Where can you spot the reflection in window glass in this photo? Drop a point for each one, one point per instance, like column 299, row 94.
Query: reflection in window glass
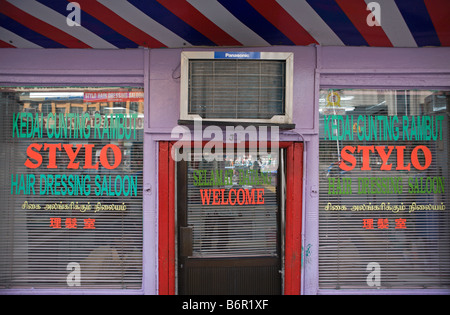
column 384, row 217
column 232, row 205
column 71, row 175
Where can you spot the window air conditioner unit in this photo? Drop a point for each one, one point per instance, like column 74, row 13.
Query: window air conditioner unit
column 236, row 87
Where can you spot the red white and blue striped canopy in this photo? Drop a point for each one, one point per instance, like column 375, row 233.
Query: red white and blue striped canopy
column 112, row 24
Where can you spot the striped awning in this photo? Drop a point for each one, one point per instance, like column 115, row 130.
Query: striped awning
column 112, row 24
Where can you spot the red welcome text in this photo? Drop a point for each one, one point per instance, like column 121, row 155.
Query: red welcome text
column 240, row 196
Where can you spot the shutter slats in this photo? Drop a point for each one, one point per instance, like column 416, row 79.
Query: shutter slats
column 35, row 254
column 234, row 230
column 415, row 255
column 237, row 88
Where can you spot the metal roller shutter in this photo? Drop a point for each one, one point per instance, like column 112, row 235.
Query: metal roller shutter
column 384, row 226
column 70, row 227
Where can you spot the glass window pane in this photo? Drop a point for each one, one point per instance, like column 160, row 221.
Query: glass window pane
column 232, row 205
column 384, row 191
column 71, row 175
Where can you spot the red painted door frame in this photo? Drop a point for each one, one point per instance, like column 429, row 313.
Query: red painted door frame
column 166, row 220
column 293, row 222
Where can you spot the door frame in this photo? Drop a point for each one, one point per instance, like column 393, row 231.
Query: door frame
column 293, row 218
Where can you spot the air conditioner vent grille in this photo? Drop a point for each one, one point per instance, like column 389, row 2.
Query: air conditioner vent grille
column 237, row 89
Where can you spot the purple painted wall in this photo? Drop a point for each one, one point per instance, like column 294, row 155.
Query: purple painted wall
column 165, row 87
column 158, row 71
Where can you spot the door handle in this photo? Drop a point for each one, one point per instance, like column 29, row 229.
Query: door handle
column 186, row 241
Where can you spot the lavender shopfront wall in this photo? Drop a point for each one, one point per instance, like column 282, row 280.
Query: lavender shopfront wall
column 158, row 71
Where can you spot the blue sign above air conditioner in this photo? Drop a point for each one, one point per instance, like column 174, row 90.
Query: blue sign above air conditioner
column 237, row 55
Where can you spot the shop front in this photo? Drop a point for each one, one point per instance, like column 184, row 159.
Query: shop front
column 262, row 170
column 235, row 231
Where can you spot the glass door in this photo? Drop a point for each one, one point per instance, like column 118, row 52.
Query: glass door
column 229, row 224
